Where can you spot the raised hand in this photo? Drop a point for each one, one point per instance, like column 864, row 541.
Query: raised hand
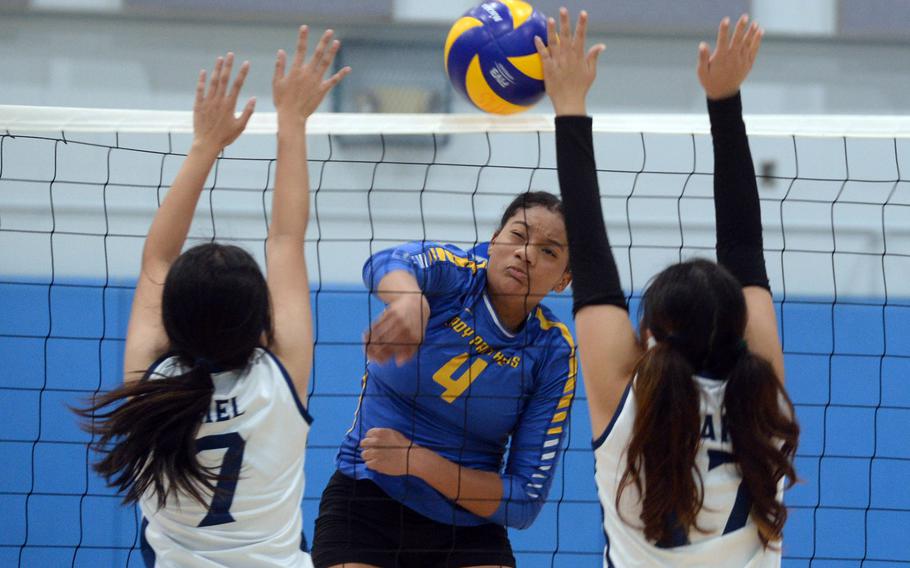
column 568, row 70
column 214, row 123
column 722, row 72
column 298, row 93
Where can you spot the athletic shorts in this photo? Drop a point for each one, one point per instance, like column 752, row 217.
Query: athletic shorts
column 359, row 522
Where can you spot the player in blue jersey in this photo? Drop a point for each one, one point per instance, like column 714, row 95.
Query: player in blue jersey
column 465, row 401
column 208, row 433
column 696, row 434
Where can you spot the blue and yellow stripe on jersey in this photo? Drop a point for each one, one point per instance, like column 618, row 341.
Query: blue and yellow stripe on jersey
column 441, row 254
column 556, row 427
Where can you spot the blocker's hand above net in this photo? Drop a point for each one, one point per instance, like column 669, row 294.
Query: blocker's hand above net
column 298, row 92
column 214, row 123
column 722, row 72
column 568, row 70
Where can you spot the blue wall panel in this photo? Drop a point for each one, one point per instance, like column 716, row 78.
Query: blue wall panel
column 837, row 376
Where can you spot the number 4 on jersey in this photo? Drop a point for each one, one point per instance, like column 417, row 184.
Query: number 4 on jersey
column 456, row 387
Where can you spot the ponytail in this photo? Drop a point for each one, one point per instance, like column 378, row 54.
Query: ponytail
column 764, row 433
column 665, row 440
column 147, row 435
column 215, row 310
column 667, row 433
column 696, row 313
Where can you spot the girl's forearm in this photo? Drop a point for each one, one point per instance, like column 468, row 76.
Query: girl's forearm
column 173, row 219
column 291, row 203
column 480, row 492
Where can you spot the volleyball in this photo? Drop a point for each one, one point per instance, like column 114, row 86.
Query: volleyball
column 491, row 59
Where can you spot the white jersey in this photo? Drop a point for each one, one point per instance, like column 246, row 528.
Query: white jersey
column 256, row 426
column 732, row 537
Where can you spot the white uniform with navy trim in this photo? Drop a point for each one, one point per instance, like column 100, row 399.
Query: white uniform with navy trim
column 257, row 426
column 731, row 537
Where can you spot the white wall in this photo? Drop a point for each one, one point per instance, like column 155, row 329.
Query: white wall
column 103, row 62
column 100, row 61
column 806, row 17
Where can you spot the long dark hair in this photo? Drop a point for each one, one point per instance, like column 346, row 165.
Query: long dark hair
column 215, row 310
column 696, row 312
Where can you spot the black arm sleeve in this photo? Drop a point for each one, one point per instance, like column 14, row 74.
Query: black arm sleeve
column 736, row 204
column 595, row 279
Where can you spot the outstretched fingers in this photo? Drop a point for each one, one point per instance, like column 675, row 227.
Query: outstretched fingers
column 704, row 61
column 721, row 71
column 723, row 35
column 552, row 38
column 328, row 57
column 238, row 82
column 329, row 83
column 225, row 75
column 214, row 119
column 200, row 90
column 215, row 77
column 281, row 59
column 300, row 53
column 593, row 54
column 565, row 27
column 244, row 117
column 321, row 49
column 704, row 57
column 748, row 36
column 755, row 44
column 581, row 31
column 542, row 49
column 739, row 32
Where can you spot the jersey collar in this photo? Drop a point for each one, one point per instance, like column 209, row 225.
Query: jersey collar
column 493, row 315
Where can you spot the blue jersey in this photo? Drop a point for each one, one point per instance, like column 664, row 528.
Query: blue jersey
column 473, row 391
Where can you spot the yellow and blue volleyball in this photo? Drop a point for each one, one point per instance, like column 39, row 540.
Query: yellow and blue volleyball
column 491, row 59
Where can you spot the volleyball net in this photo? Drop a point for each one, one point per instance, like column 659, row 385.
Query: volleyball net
column 79, row 188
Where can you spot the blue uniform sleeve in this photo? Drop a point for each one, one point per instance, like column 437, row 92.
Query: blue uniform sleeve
column 439, row 269
column 537, row 441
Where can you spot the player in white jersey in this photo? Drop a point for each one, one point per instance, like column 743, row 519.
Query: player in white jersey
column 208, row 432
column 696, row 434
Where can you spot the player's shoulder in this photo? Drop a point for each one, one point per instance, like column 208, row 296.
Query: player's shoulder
column 480, row 251
column 461, row 269
column 550, row 324
column 555, row 332
column 280, row 380
column 555, row 360
column 266, row 365
column 427, row 253
column 453, row 254
column 165, row 365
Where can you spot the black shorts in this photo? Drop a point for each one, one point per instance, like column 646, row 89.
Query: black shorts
column 359, row 522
